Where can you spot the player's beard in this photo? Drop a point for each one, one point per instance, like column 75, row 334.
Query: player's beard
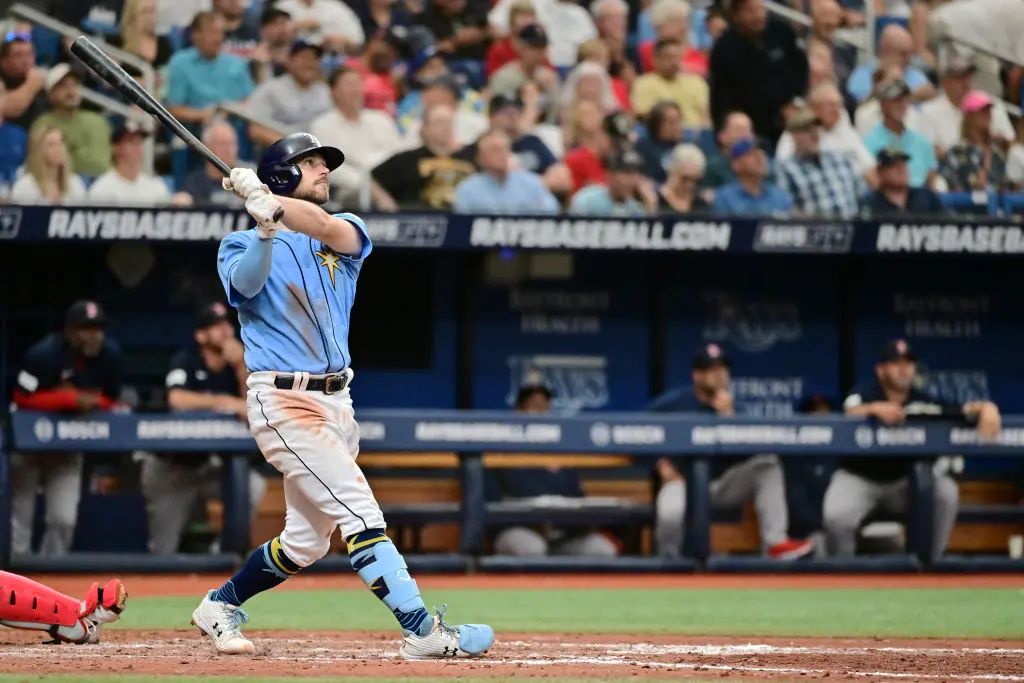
column 318, row 194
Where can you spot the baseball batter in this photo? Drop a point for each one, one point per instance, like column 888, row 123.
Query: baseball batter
column 293, row 283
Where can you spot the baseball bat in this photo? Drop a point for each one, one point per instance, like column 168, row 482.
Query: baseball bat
column 111, row 72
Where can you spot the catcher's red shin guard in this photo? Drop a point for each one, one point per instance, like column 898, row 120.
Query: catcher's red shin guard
column 25, row 600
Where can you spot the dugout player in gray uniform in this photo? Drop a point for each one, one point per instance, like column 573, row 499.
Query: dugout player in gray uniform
column 207, row 375
column 861, row 485
column 734, row 481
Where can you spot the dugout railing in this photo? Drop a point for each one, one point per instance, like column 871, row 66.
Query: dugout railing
column 472, row 433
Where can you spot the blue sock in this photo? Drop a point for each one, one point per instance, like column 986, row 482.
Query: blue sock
column 267, row 567
column 382, row 568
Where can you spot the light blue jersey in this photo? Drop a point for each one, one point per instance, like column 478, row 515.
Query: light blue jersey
column 299, row 320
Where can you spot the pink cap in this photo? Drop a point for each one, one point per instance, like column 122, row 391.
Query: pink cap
column 974, row 101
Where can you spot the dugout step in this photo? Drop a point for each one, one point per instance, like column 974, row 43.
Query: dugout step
column 566, row 563
column 125, row 563
column 879, row 564
column 990, row 514
column 980, row 564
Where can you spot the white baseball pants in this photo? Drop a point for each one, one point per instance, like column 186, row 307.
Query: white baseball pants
column 312, row 439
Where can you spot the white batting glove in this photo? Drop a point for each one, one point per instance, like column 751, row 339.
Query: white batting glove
column 243, row 182
column 263, row 206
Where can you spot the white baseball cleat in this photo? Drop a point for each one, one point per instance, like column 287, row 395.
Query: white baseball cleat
column 221, row 622
column 447, row 642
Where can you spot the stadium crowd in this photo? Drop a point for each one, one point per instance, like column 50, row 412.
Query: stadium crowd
column 524, row 106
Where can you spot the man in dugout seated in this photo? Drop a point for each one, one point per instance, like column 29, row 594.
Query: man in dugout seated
column 520, row 483
column 207, row 375
column 860, row 485
column 734, row 481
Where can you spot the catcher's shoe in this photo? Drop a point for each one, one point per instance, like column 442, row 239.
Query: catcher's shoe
column 221, row 622
column 102, row 606
column 446, row 642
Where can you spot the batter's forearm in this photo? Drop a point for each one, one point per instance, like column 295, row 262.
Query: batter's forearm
column 250, row 275
column 312, row 221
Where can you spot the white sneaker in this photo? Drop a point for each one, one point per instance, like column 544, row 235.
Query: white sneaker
column 220, row 621
column 446, row 642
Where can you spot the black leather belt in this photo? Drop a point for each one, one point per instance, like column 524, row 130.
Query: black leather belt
column 331, row 384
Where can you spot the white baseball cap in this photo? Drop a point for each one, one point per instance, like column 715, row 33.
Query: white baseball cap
column 57, row 74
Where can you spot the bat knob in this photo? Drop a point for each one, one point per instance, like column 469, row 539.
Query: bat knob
column 278, row 215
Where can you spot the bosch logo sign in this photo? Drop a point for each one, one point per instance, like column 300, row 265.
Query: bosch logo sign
column 864, row 436
column 43, row 430
column 600, row 434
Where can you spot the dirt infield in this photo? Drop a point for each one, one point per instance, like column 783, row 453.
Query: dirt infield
column 307, row 654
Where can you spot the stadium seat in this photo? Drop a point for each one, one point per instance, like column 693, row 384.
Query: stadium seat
column 980, row 203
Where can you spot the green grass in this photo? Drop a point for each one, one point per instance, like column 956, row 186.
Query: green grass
column 973, row 613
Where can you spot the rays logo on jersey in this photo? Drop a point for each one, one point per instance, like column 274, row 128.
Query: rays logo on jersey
column 578, row 382
column 751, row 326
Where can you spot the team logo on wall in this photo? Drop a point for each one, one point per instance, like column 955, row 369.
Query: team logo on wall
column 10, row 222
column 956, row 386
column 578, row 382
column 751, row 326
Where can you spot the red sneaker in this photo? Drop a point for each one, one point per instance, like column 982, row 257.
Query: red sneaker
column 791, row 549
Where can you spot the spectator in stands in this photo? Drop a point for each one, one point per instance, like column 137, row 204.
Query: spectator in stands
column 208, row 375
column 920, row 17
column 277, row 34
column 733, row 127
column 445, row 91
column 618, row 195
column 530, row 153
column 367, row 136
column 611, row 17
column 526, row 483
column 77, row 370
column 861, row 485
column 680, row 192
column 172, row 15
column 757, row 68
column 821, row 71
column 826, row 17
column 532, row 121
column 589, row 144
column 521, row 14
column 138, row 37
column 498, row 188
column 750, row 193
column 895, row 195
column 734, row 481
column 596, row 51
column 86, row 133
column 381, row 70
column 293, row 100
column 835, row 132
column 203, row 76
column 376, row 16
column 531, row 44
column 241, row 28
column 868, row 115
column 667, row 82
column 426, row 177
column 203, row 185
column 822, row 183
column 664, row 131
column 460, row 26
column 671, row 21
column 13, row 146
column 588, row 81
column 125, row 184
column 329, row 23
column 23, row 80
column 978, row 160
column 49, row 176
column 941, row 118
column 895, row 47
column 894, row 99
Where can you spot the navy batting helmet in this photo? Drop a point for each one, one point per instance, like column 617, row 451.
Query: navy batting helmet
column 278, row 168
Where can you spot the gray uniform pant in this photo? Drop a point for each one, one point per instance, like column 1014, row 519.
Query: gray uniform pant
column 850, row 498
column 171, row 489
column 525, row 542
column 758, row 478
column 60, row 475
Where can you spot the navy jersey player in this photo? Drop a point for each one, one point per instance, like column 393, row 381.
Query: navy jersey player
column 293, row 283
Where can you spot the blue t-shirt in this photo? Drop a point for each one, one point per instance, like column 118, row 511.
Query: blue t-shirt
column 595, row 200
column 13, row 146
column 733, row 198
column 859, row 83
column 194, row 81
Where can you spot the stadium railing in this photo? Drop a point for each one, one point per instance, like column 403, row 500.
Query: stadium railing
column 697, row 440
